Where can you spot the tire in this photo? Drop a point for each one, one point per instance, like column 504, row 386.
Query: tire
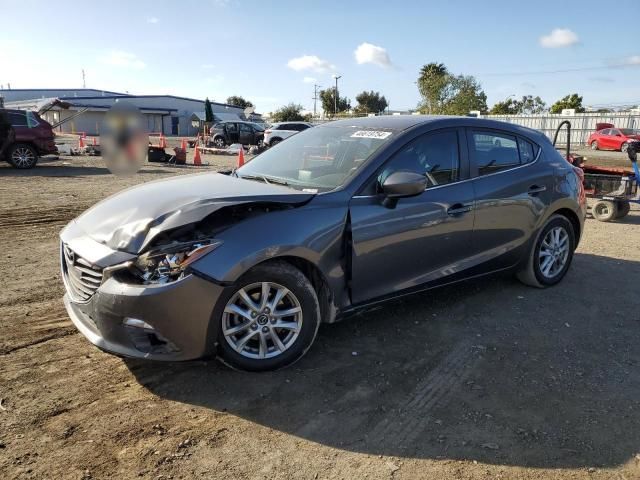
column 261, row 351
column 537, row 273
column 22, row 156
column 604, row 210
column 624, row 147
column 623, row 209
column 594, row 145
column 274, row 142
column 219, row 142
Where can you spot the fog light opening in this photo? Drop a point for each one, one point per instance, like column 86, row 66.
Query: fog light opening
column 137, row 323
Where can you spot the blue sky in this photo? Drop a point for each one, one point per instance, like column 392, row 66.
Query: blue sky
column 273, row 52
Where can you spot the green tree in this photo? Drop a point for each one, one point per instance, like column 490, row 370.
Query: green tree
column 464, row 94
column 238, row 101
column 445, row 93
column 528, row 104
column 370, row 102
column 208, row 111
column 290, row 113
column 328, row 101
column 432, row 85
column 570, row 101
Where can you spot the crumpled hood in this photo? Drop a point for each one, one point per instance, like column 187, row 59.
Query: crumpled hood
column 129, row 220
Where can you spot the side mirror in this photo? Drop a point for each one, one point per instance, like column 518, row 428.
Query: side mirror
column 403, row 183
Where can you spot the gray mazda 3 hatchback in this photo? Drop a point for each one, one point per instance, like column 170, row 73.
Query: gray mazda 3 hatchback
column 246, row 265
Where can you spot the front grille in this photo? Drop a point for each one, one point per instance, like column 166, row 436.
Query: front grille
column 82, row 278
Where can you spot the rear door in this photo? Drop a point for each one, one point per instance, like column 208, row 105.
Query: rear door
column 512, row 188
column 245, row 134
column 423, row 239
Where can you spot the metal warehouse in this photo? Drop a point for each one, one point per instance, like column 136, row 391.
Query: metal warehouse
column 167, row 114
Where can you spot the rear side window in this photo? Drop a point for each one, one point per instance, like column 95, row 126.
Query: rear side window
column 495, row 152
column 18, row 119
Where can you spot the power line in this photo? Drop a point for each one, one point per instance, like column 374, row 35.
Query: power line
column 562, row 70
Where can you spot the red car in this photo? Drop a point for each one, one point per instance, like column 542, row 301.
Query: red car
column 33, row 137
column 613, row 138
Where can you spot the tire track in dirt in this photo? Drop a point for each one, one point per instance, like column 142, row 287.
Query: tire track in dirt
column 412, row 416
column 22, row 217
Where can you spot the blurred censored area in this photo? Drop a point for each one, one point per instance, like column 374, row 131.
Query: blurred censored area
column 124, row 139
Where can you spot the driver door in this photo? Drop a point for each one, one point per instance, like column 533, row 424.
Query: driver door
column 424, row 239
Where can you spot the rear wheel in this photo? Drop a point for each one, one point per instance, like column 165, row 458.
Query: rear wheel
column 624, row 147
column 219, row 142
column 268, row 319
column 551, row 254
column 594, row 145
column 623, row 209
column 604, row 210
column 23, row 156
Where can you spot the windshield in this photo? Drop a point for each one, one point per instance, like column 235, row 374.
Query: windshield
column 318, row 159
column 629, row 131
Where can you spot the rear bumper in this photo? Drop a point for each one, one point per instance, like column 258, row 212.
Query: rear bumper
column 177, row 316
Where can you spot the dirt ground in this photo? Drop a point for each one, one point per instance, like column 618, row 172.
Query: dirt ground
column 485, row 379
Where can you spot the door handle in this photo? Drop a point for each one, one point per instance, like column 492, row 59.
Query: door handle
column 459, row 208
column 535, row 189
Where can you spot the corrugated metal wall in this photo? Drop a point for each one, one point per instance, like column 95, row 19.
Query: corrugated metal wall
column 582, row 124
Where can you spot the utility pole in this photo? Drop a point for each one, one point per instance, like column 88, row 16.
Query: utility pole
column 84, row 83
column 315, row 98
column 335, row 99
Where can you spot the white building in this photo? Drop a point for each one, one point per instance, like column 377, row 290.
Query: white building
column 168, row 114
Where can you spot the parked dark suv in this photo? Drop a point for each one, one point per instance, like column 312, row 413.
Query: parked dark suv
column 32, row 137
column 228, row 133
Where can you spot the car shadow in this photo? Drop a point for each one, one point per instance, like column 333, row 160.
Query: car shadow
column 487, row 370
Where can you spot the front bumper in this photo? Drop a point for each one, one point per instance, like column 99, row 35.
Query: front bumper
column 178, row 315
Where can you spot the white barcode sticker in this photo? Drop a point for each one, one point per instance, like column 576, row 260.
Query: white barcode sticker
column 371, row 134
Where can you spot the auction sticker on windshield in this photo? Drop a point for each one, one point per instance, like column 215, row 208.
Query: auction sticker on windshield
column 371, row 134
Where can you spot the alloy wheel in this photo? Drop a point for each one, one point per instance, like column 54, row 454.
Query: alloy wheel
column 554, row 252
column 262, row 320
column 219, row 142
column 23, row 157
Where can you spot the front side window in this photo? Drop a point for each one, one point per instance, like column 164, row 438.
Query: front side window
column 245, row 128
column 319, row 159
column 494, row 152
column 435, row 155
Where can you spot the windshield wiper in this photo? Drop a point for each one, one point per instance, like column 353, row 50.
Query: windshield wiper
column 265, row 179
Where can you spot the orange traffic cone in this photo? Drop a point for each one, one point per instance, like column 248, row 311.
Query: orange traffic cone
column 183, row 145
column 196, row 157
column 94, row 141
column 80, row 142
column 241, row 156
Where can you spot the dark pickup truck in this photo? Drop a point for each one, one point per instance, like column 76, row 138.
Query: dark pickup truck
column 28, row 139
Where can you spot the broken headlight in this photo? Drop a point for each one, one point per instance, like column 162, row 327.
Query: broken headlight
column 169, row 263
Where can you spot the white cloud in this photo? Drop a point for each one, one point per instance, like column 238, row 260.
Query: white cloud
column 310, row 62
column 118, row 58
column 153, row 20
column 369, row 53
column 309, row 80
column 633, row 60
column 558, row 38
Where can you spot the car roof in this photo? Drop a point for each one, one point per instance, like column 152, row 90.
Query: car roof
column 404, row 122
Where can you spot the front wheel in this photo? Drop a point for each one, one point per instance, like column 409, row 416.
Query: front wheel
column 551, row 255
column 624, row 147
column 23, row 156
column 268, row 319
column 219, row 142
